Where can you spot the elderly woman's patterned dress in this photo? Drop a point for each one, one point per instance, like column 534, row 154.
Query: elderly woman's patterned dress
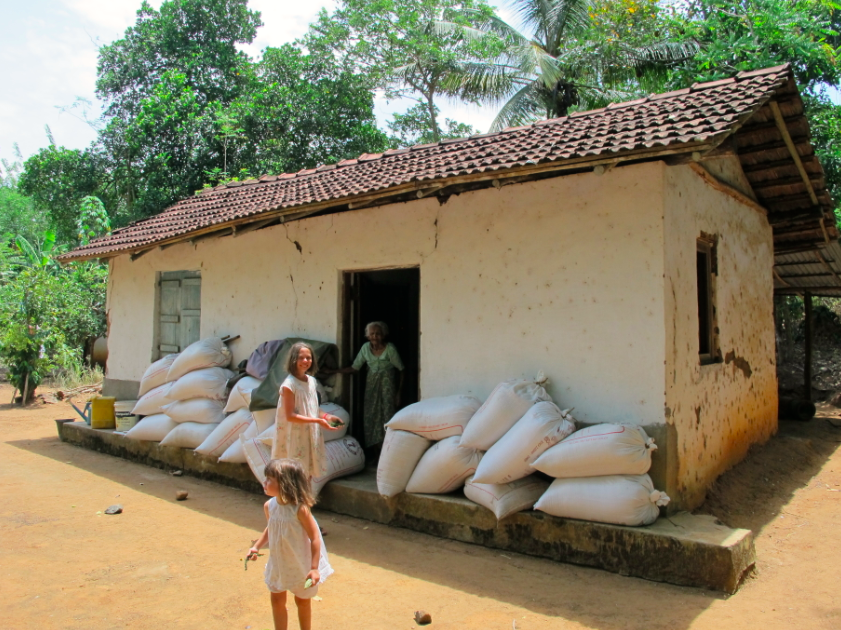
column 380, row 389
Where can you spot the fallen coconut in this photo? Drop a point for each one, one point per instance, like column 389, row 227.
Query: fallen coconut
column 181, row 495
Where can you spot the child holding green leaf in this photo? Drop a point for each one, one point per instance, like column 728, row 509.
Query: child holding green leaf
column 297, row 557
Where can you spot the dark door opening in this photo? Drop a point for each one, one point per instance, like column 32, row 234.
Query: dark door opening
column 391, row 296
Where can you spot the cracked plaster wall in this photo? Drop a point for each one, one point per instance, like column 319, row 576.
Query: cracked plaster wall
column 563, row 275
column 717, row 411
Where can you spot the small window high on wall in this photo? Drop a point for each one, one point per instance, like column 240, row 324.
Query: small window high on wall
column 706, row 272
column 178, row 312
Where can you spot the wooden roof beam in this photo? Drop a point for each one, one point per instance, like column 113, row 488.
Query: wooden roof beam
column 781, row 125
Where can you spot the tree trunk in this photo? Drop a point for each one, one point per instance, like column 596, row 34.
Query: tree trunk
column 430, row 104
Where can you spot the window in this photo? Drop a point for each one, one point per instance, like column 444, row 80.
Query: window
column 706, row 270
column 179, row 311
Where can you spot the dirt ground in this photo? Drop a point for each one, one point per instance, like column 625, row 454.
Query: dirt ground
column 167, row 564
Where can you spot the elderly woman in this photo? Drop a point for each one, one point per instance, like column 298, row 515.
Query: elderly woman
column 382, row 384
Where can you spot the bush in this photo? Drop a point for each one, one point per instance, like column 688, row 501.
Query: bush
column 47, row 313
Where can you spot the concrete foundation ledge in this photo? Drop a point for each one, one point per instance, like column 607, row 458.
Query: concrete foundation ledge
column 683, row 549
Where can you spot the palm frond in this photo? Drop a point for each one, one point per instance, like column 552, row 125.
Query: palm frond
column 481, row 82
column 565, row 19
column 523, row 107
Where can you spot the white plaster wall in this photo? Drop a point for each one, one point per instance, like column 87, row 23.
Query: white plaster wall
column 563, row 275
column 718, row 410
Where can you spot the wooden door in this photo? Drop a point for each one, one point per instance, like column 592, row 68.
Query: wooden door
column 179, row 317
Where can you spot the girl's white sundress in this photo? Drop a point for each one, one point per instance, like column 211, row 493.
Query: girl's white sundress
column 301, row 440
column 290, row 552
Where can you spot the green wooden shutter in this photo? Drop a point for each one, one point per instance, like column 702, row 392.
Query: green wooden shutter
column 180, row 310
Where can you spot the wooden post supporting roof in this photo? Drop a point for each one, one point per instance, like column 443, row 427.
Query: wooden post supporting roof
column 807, row 360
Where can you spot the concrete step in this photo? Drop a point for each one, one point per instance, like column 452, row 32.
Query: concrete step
column 684, row 549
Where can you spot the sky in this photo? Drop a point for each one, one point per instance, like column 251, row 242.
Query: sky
column 48, row 54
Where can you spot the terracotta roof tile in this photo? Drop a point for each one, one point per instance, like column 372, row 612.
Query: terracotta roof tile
column 697, row 115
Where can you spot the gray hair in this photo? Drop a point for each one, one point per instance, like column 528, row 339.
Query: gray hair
column 381, row 325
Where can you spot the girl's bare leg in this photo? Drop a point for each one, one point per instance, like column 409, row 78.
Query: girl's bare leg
column 304, row 613
column 281, row 618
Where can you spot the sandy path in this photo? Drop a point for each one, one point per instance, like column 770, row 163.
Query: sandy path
column 165, row 564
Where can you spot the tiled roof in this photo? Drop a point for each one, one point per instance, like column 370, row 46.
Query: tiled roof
column 680, row 121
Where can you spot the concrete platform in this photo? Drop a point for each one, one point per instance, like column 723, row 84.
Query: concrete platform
column 684, row 549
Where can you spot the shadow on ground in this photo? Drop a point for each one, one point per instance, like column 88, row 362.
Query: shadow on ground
column 589, row 596
column 754, row 492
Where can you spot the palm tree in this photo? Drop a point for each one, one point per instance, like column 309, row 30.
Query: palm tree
column 570, row 59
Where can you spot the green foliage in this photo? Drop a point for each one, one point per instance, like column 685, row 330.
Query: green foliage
column 164, row 83
column 47, row 312
column 196, row 39
column 19, row 216
column 574, row 53
column 186, row 109
column 415, row 127
column 736, row 35
column 93, row 220
column 37, row 254
column 56, row 180
column 301, row 111
column 825, row 125
column 396, row 46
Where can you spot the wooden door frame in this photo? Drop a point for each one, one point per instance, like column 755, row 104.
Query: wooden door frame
column 346, row 356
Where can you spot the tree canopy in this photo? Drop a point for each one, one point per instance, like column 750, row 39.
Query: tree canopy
column 396, row 46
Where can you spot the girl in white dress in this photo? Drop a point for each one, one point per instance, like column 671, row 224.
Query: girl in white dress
column 297, row 557
column 299, row 422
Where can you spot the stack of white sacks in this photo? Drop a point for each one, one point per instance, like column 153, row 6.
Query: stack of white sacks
column 185, row 403
column 182, row 396
column 492, row 450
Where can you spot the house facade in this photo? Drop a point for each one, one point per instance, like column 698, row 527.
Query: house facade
column 639, row 280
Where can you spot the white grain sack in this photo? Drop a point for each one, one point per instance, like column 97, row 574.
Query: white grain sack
column 444, row 467
column 240, row 396
column 344, row 457
column 603, row 449
column 152, row 428
column 512, row 457
column 257, row 452
column 616, row 499
column 206, row 353
column 225, row 434
column 506, row 498
column 436, row 418
column 153, row 401
column 203, row 410
column 156, row 374
column 264, row 418
column 205, row 383
column 400, row 454
column 234, row 453
column 508, row 402
column 188, row 434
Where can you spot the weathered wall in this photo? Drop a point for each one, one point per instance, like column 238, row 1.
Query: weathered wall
column 563, row 275
column 717, row 410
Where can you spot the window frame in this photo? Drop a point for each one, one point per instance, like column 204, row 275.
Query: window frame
column 706, row 247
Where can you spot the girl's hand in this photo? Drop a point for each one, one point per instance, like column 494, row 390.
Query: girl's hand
column 330, row 422
column 252, row 553
column 315, row 576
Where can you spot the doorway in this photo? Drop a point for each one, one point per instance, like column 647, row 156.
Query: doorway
column 391, row 296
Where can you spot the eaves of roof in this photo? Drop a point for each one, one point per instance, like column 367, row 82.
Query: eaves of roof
column 692, row 121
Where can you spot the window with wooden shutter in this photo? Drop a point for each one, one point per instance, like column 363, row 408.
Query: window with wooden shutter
column 179, row 313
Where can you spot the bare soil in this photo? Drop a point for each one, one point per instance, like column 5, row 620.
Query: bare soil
column 169, row 564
